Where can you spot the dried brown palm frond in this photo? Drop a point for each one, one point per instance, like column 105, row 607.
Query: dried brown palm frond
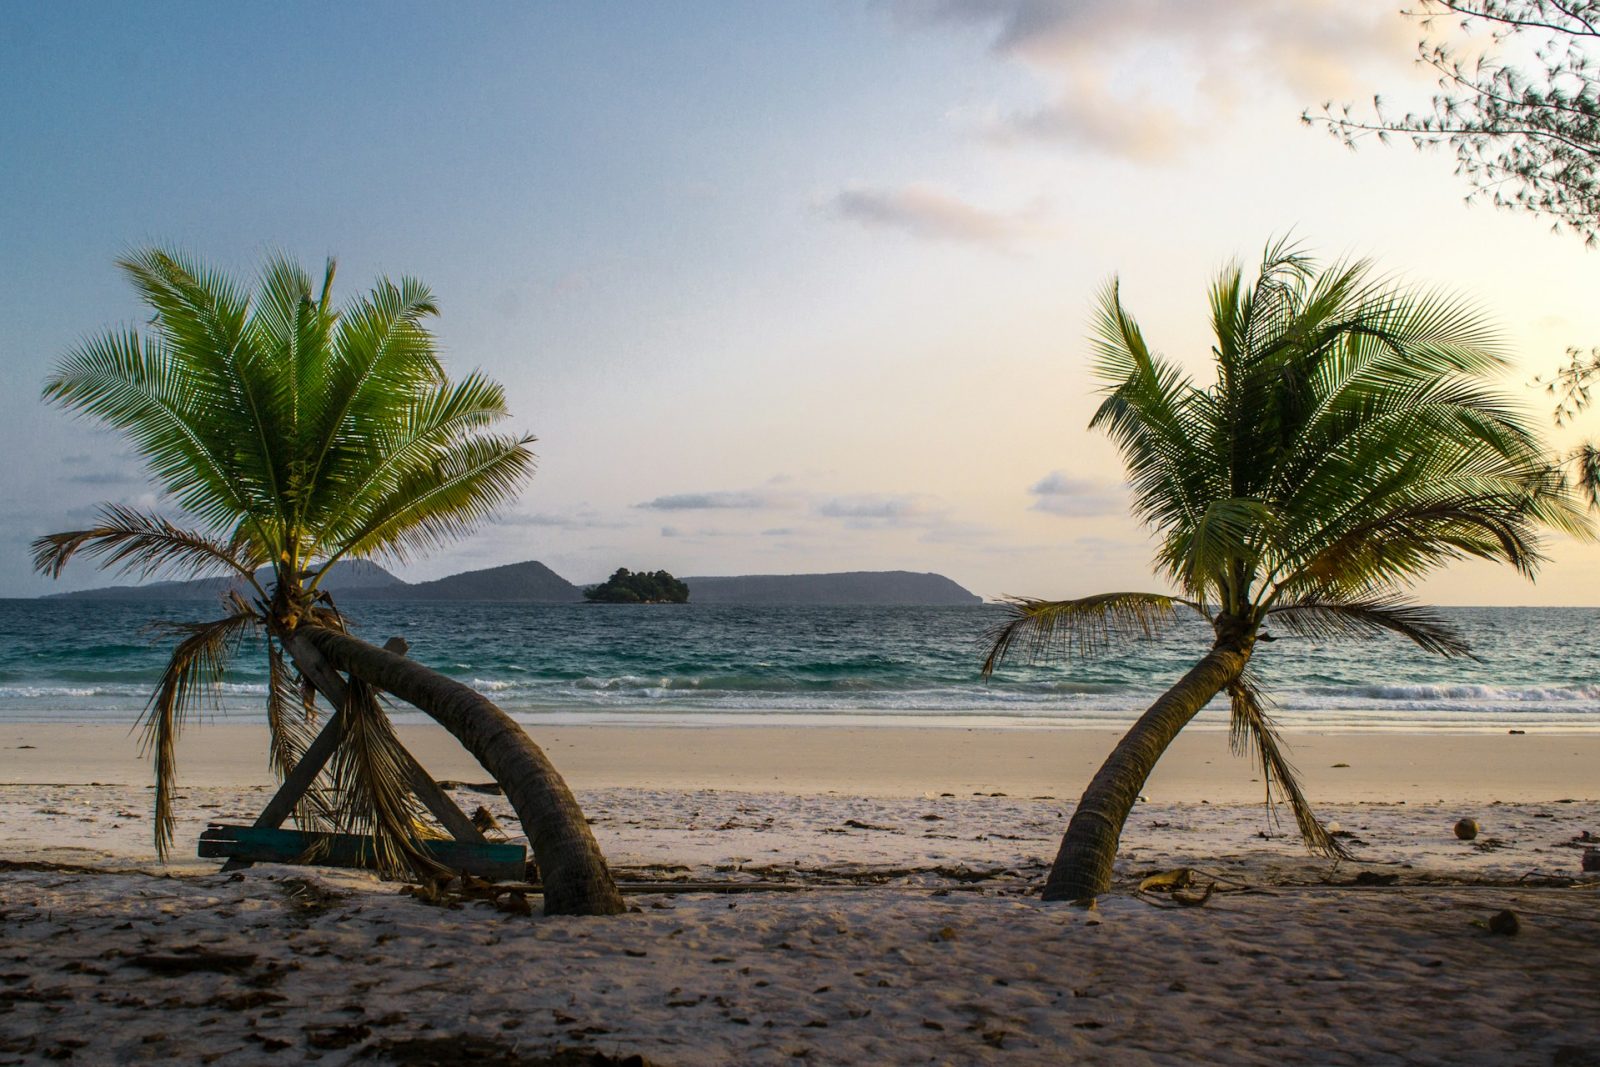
column 292, row 726
column 196, row 666
column 1251, row 729
column 372, row 795
column 135, row 542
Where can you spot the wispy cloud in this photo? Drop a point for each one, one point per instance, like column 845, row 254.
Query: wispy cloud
column 586, row 519
column 1099, row 53
column 1059, row 493
column 930, row 214
column 739, row 500
column 106, row 477
column 872, row 507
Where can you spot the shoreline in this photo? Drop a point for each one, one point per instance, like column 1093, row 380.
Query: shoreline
column 883, row 761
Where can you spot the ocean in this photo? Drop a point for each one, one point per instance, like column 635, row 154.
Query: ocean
column 97, row 661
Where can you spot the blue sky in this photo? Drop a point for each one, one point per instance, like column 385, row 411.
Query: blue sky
column 780, row 287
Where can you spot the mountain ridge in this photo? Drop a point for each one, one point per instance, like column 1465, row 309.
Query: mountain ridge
column 531, row 582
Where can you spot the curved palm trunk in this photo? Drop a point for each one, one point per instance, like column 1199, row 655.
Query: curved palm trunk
column 576, row 879
column 1083, row 864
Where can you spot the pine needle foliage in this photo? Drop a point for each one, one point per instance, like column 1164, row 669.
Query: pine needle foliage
column 287, row 433
column 1517, row 102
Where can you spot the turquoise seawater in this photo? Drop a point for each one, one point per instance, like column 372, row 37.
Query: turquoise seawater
column 63, row 660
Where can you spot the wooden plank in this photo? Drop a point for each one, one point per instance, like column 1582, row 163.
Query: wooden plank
column 259, row 844
column 298, row 780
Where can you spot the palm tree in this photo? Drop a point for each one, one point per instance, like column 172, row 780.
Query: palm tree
column 292, row 434
column 1351, row 442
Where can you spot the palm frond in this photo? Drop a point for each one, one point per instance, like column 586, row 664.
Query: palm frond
column 176, row 419
column 1326, row 620
column 197, row 664
column 1252, row 730
column 141, row 543
column 438, row 502
column 1039, row 629
column 291, row 727
column 1228, row 529
column 372, row 796
column 415, row 438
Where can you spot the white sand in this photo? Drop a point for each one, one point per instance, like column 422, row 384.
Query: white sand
column 916, row 941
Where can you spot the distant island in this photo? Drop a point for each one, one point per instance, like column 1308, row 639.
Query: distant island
column 532, row 582
column 628, row 587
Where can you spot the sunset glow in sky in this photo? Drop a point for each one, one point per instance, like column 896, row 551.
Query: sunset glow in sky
column 779, row 287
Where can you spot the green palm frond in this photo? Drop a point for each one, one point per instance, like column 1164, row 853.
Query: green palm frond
column 137, row 542
column 412, row 445
column 1228, row 530
column 1154, row 414
column 372, row 796
column 1251, row 730
column 1325, row 620
column 1039, row 629
column 169, row 414
column 196, row 666
column 434, row 504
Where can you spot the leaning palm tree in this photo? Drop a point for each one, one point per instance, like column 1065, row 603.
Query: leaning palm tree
column 1352, row 441
column 292, row 434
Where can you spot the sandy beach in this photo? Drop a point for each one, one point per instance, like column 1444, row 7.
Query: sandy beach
column 911, row 932
column 883, row 760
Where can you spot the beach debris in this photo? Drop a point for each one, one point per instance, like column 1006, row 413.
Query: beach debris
column 944, row 933
column 308, row 898
column 492, row 788
column 1177, row 878
column 1336, row 766
column 1181, row 885
column 1514, row 732
column 1333, row 828
column 1591, row 860
column 485, row 821
column 857, row 824
column 1467, row 829
column 1504, row 922
column 1373, row 878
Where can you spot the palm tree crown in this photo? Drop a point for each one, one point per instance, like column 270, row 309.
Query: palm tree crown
column 1352, row 441
column 291, row 434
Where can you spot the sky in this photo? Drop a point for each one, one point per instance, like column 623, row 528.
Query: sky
column 778, row 287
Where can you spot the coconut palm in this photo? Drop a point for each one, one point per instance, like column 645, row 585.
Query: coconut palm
column 1352, row 441
column 291, row 434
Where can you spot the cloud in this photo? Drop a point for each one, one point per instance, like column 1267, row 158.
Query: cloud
column 731, row 500
column 106, row 477
column 586, row 519
column 1101, row 54
column 926, row 213
column 693, row 535
column 1059, row 493
column 872, row 507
